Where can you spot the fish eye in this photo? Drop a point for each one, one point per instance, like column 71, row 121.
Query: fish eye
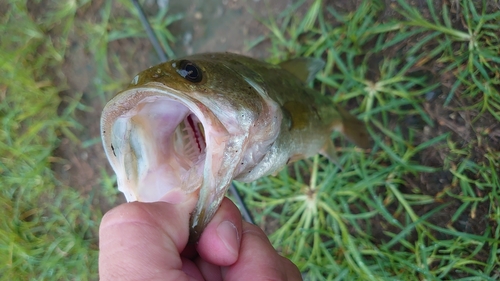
column 189, row 71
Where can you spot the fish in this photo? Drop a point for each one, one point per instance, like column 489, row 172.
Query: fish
column 190, row 126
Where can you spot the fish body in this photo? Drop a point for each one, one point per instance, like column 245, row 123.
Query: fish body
column 190, row 126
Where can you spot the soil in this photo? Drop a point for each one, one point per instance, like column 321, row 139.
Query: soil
column 228, row 25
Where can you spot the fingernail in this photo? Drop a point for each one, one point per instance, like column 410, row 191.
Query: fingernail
column 228, row 233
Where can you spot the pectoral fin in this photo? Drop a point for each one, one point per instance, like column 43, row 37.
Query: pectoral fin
column 329, row 152
column 303, row 68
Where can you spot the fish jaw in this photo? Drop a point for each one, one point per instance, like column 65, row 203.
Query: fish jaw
column 161, row 144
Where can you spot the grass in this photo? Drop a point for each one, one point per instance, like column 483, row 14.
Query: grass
column 48, row 231
column 377, row 219
column 421, row 204
column 43, row 228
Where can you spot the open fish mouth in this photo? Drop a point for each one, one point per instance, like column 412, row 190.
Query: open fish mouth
column 161, row 144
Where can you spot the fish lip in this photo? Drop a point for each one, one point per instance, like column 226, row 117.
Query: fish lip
column 216, row 134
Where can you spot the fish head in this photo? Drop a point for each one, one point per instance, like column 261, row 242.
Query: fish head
column 182, row 129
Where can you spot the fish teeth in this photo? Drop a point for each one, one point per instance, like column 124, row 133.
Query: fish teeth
column 190, row 140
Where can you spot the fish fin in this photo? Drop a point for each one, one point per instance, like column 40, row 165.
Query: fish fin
column 303, row 68
column 329, row 152
column 295, row 158
column 354, row 129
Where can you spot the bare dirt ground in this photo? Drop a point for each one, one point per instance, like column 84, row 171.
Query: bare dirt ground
column 228, row 25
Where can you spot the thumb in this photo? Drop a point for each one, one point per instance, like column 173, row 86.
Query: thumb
column 142, row 241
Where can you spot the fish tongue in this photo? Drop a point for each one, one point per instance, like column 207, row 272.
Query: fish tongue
column 159, row 184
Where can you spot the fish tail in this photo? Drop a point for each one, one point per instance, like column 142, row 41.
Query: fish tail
column 354, row 129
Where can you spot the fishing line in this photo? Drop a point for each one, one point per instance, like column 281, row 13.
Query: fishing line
column 163, row 58
column 151, row 34
column 243, row 207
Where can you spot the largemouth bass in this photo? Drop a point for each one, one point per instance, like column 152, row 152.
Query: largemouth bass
column 189, row 126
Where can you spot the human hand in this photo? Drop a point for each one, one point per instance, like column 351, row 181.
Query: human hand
column 149, row 241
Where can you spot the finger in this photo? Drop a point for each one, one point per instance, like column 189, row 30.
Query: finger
column 142, row 241
column 220, row 241
column 258, row 260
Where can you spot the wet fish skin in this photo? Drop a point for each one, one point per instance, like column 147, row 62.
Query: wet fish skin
column 256, row 118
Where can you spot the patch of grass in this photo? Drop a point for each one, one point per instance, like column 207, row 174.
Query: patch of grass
column 423, row 203
column 48, row 231
column 45, row 230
